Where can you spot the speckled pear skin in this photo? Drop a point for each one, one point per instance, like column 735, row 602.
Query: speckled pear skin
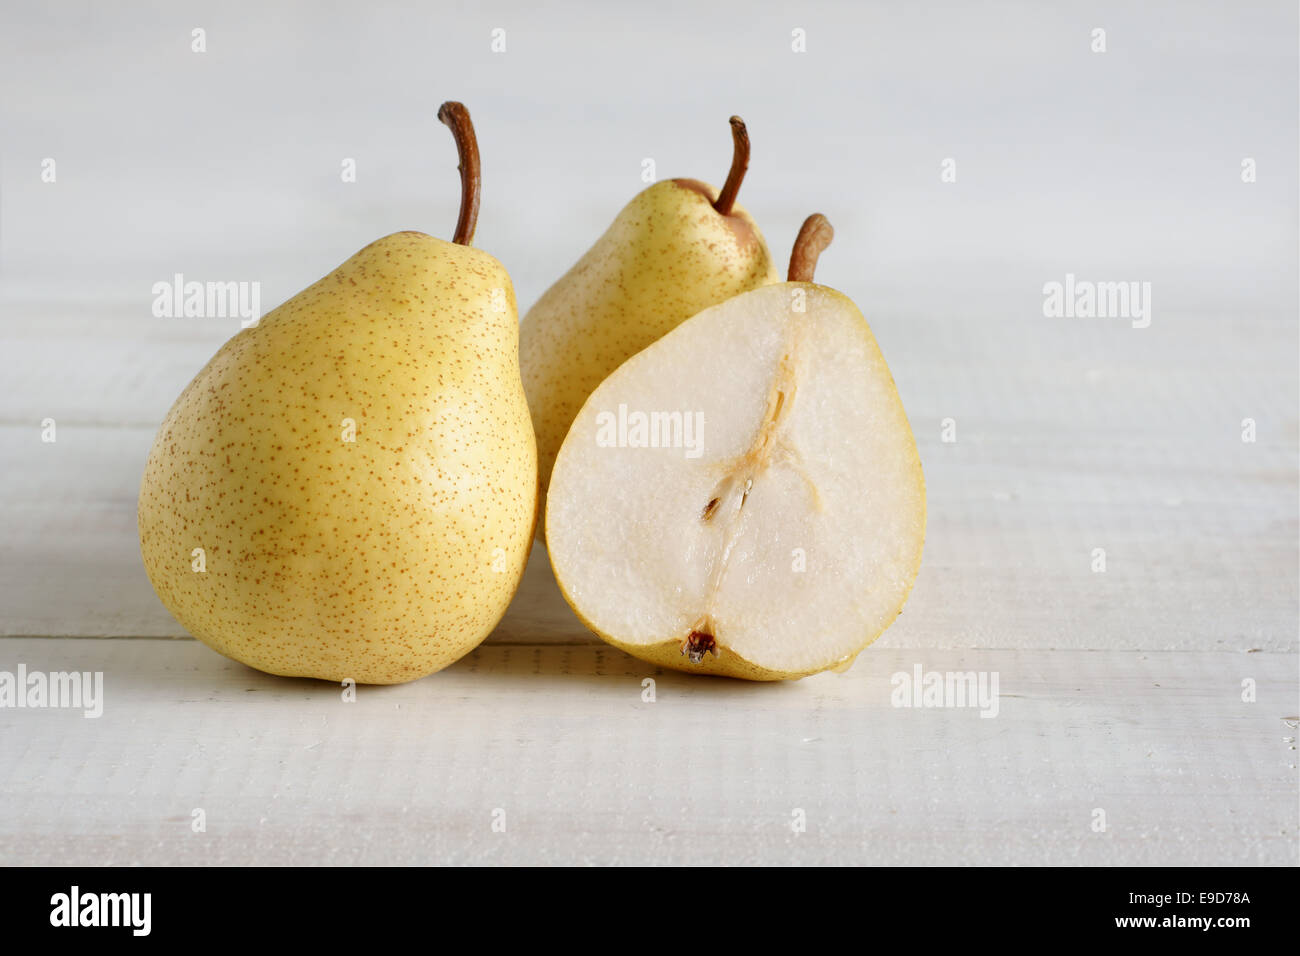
column 668, row 255
column 381, row 559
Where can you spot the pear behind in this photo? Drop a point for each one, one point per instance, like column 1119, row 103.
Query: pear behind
column 668, row 255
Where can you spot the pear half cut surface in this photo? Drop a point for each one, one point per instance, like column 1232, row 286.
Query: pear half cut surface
column 778, row 527
column 348, row 489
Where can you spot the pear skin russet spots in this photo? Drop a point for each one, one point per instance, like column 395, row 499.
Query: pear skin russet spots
column 381, row 552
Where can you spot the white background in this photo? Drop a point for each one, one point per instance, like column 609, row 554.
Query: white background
column 1073, row 434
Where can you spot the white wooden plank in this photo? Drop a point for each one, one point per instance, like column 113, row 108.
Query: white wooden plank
column 712, row 771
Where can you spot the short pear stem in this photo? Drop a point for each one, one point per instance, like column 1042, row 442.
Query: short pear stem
column 739, row 163
column 457, row 119
column 814, row 236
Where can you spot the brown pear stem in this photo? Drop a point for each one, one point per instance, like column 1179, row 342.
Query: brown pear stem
column 814, row 236
column 739, row 163
column 471, row 181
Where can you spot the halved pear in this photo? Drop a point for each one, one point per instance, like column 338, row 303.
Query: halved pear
column 744, row 497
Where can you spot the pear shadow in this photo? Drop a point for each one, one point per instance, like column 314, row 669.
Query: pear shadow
column 539, row 637
column 596, row 664
column 200, row 674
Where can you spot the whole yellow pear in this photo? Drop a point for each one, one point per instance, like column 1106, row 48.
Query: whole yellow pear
column 677, row 248
column 348, row 489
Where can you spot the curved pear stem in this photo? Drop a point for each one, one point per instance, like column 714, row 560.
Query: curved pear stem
column 739, row 163
column 814, row 236
column 471, row 181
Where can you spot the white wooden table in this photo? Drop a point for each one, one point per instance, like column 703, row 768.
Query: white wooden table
column 1158, row 697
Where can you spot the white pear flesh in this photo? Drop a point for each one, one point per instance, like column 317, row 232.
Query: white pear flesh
column 791, row 535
